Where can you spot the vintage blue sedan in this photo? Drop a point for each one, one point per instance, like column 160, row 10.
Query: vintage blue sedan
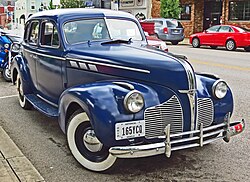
column 115, row 96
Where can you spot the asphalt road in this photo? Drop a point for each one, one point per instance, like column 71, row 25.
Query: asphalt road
column 42, row 142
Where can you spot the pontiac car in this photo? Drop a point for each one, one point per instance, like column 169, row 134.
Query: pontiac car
column 114, row 95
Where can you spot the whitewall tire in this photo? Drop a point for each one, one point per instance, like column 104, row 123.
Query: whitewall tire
column 85, row 146
column 22, row 100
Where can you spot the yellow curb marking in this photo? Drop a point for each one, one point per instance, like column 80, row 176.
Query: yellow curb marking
column 221, row 65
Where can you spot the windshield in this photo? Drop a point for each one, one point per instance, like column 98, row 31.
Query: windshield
column 96, row 29
column 123, row 29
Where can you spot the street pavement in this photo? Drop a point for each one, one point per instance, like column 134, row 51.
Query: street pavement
column 14, row 166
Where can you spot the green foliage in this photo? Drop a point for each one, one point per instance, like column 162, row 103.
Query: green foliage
column 170, row 9
column 72, row 4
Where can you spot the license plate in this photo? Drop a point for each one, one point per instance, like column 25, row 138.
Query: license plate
column 130, row 129
column 176, row 31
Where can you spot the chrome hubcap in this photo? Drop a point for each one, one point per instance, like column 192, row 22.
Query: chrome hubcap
column 230, row 45
column 195, row 42
column 91, row 142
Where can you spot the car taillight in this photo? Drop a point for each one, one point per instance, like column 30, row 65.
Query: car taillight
column 165, row 30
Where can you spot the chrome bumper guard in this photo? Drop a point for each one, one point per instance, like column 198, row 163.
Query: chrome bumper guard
column 173, row 142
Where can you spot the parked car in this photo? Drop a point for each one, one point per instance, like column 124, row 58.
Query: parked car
column 155, row 42
column 112, row 95
column 227, row 36
column 168, row 29
column 9, row 47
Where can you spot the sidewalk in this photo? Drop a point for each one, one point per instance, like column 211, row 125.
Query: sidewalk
column 184, row 42
column 14, row 166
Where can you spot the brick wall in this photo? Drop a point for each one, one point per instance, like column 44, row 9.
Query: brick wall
column 156, row 9
column 245, row 24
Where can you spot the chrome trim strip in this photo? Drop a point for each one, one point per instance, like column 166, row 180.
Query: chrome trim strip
column 108, row 65
column 90, row 62
column 92, row 67
column 167, row 146
column 83, row 66
column 192, row 90
column 45, row 55
column 51, row 103
column 73, row 64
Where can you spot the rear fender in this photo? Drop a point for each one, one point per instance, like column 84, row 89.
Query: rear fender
column 18, row 66
column 103, row 103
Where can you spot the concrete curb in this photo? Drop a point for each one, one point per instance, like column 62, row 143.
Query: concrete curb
column 14, row 166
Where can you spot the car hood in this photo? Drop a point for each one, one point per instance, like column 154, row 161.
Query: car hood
column 133, row 62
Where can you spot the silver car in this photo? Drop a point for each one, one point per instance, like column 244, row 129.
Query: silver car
column 168, row 29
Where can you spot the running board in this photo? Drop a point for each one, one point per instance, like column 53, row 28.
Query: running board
column 42, row 106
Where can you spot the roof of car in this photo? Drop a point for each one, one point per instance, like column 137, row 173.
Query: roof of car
column 162, row 19
column 81, row 12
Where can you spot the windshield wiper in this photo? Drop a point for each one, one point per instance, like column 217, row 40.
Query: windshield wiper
column 118, row 41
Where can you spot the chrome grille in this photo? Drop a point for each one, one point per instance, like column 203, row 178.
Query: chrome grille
column 205, row 111
column 159, row 116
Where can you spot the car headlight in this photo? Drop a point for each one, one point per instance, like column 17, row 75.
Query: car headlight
column 15, row 47
column 134, row 101
column 6, row 46
column 219, row 89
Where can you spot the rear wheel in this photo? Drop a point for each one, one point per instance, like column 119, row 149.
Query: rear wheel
column 24, row 103
column 85, row 146
column 230, row 45
column 174, row 42
column 196, row 42
column 7, row 74
column 247, row 49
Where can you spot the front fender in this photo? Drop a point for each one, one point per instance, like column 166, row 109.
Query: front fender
column 221, row 106
column 103, row 102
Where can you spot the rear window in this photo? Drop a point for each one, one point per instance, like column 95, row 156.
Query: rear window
column 242, row 29
column 174, row 23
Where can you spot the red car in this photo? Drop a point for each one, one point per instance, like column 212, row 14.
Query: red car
column 227, row 36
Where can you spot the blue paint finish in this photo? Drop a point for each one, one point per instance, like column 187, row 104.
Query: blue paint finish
column 221, row 106
column 83, row 74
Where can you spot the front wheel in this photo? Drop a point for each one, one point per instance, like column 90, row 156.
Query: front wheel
column 230, row 45
column 196, row 42
column 85, row 146
column 24, row 103
column 7, row 74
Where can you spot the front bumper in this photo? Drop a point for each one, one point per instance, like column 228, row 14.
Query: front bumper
column 173, row 142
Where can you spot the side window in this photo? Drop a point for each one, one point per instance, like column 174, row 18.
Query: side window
column 213, row 29
column 224, row 29
column 49, row 35
column 158, row 23
column 34, row 32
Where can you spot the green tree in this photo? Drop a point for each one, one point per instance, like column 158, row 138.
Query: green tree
column 170, row 9
column 72, row 4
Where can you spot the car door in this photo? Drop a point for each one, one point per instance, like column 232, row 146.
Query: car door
column 223, row 34
column 209, row 35
column 49, row 63
column 30, row 45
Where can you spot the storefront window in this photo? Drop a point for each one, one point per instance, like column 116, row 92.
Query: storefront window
column 185, row 12
column 239, row 10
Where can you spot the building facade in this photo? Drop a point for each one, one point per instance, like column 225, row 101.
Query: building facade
column 198, row 15
column 25, row 8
